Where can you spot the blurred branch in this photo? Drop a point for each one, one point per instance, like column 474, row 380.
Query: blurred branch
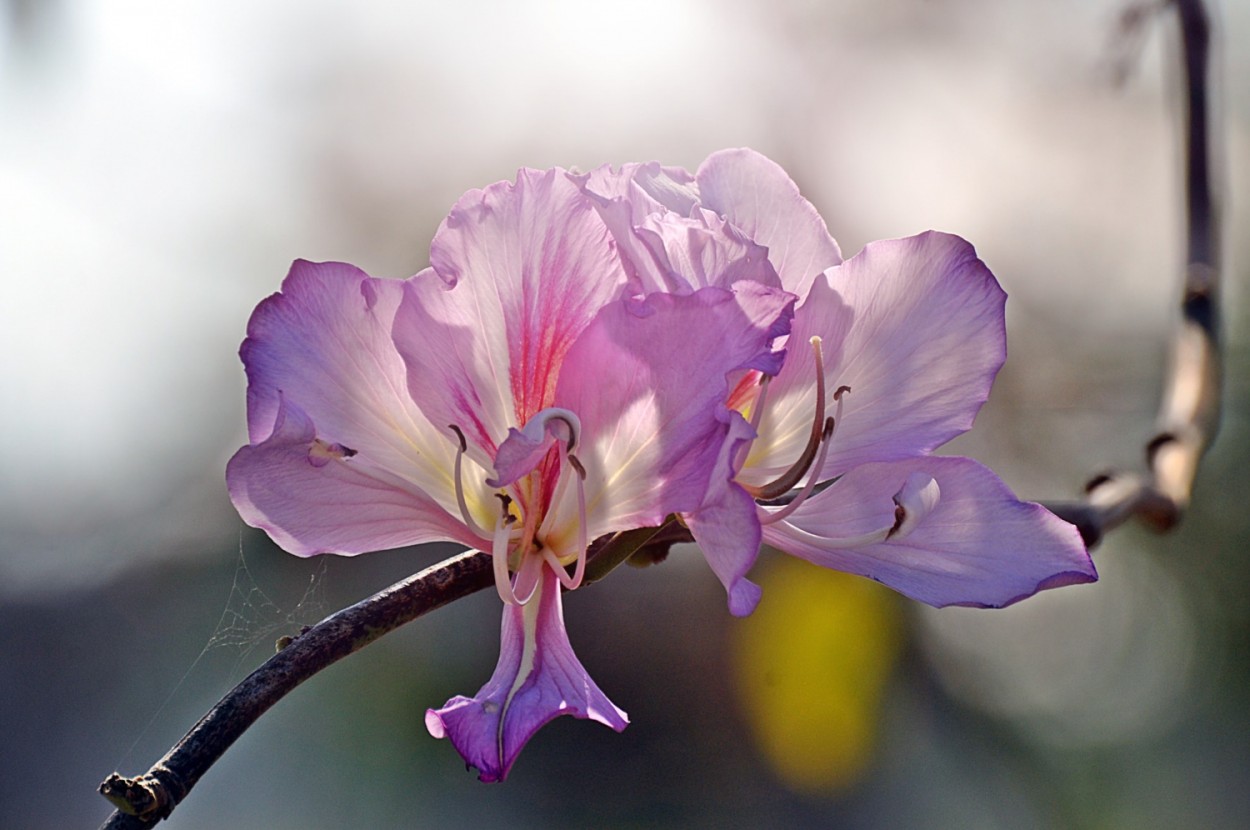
column 143, row 801
column 1190, row 412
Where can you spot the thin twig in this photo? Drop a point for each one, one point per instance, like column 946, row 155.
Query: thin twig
column 1190, row 411
column 143, row 801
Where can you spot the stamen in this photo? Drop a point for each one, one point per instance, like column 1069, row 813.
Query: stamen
column 583, row 542
column 914, row 501
column 917, row 499
column 794, row 475
column 499, row 556
column 469, row 522
column 574, row 582
column 767, row 517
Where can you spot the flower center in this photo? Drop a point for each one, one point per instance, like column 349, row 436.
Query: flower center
column 524, row 465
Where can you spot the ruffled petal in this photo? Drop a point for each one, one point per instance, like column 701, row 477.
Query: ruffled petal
column 755, row 195
column 538, row 678
column 726, row 527
column 915, row 328
column 519, row 270
column 702, row 250
column 648, row 380
column 976, row 544
column 312, row 496
column 625, row 198
column 324, row 345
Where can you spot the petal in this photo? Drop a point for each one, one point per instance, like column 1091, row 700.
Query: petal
column 519, row 270
column 647, row 187
column 755, row 195
column 977, row 546
column 538, row 678
column 726, row 527
column 915, row 328
column 625, row 198
column 313, row 497
column 323, row 346
column 648, row 380
column 702, row 250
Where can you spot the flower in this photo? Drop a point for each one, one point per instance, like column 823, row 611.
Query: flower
column 519, row 396
column 908, row 334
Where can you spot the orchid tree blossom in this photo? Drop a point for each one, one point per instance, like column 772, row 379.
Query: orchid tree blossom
column 521, row 396
column 891, row 354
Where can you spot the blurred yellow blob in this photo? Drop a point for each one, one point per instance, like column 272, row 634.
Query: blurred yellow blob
column 810, row 666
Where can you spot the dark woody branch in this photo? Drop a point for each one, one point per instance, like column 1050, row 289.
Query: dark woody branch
column 143, row 801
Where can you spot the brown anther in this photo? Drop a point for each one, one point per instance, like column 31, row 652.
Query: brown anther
column 841, row 390
column 464, row 445
column 506, row 500
column 900, row 514
column 577, row 465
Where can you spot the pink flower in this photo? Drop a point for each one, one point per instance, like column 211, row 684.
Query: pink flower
column 520, row 396
column 891, row 355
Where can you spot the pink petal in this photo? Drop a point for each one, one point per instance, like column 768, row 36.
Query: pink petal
column 977, row 546
column 320, row 352
column 625, row 198
column 324, row 343
column 670, row 243
column 648, row 380
column 519, row 270
column 703, row 250
column 915, row 328
column 538, row 678
column 648, row 188
column 755, row 195
column 314, row 497
column 726, row 528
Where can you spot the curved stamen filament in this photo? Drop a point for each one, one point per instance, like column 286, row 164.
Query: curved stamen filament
column 469, row 522
column 499, row 553
column 583, row 542
column 571, row 467
column 768, row 517
column 791, row 477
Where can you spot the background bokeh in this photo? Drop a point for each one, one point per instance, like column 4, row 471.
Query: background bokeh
column 162, row 163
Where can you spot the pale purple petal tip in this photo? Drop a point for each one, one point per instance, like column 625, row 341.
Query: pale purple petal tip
column 978, row 545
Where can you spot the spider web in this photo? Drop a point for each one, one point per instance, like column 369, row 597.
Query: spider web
column 250, row 620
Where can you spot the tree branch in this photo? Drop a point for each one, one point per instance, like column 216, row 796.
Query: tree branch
column 1190, row 411
column 143, row 801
